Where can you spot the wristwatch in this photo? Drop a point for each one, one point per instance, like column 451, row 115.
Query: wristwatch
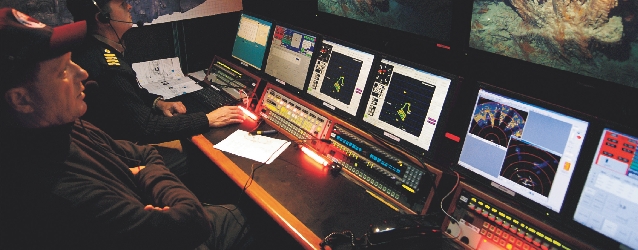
column 159, row 98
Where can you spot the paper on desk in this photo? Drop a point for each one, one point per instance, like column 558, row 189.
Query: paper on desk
column 255, row 147
column 199, row 75
column 164, row 77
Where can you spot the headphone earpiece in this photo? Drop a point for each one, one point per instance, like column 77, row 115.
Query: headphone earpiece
column 103, row 17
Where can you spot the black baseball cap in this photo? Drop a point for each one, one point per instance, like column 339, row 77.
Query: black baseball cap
column 27, row 41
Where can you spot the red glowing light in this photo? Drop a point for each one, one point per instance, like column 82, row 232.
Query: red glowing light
column 314, row 156
column 248, row 113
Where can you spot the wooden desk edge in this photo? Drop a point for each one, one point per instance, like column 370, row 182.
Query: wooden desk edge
column 278, row 212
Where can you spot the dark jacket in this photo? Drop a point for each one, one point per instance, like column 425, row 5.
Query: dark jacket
column 68, row 187
column 121, row 107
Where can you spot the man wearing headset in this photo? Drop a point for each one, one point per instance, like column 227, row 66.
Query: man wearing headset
column 119, row 105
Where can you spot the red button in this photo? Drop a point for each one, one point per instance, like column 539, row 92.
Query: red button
column 537, row 242
column 528, row 237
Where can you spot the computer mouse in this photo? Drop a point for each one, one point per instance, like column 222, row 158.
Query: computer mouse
column 404, row 228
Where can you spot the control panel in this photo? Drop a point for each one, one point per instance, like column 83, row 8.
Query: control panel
column 485, row 223
column 402, row 182
column 293, row 117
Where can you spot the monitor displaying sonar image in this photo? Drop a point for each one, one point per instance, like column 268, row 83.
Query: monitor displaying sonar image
column 525, row 148
column 339, row 76
column 496, row 122
column 406, row 102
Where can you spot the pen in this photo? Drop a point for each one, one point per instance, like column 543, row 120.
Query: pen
column 264, row 132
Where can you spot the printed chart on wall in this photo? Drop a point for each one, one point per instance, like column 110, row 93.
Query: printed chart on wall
column 163, row 11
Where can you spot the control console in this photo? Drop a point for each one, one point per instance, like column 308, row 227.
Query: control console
column 403, row 183
column 487, row 223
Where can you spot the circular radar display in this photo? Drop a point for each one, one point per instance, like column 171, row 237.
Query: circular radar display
column 496, row 122
column 530, row 166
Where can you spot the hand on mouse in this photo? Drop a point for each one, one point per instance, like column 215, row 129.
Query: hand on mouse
column 224, row 116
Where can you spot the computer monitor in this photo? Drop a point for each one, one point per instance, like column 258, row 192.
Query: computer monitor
column 590, row 38
column 339, row 76
column 407, row 104
column 289, row 56
column 251, row 40
column 527, row 148
column 431, row 19
column 609, row 200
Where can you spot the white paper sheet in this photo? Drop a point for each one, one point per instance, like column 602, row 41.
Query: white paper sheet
column 255, row 147
column 164, row 77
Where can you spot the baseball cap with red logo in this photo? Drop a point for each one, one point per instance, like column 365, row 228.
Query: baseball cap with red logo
column 26, row 41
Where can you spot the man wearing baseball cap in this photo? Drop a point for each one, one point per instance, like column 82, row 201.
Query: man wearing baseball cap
column 65, row 184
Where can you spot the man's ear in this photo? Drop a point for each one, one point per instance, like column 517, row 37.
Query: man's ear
column 18, row 99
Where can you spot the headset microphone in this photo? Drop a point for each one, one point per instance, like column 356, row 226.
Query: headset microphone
column 138, row 23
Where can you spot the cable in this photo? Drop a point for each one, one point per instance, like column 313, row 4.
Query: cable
column 244, row 100
column 243, row 225
column 252, row 173
column 313, row 139
column 458, row 179
column 119, row 40
column 328, row 240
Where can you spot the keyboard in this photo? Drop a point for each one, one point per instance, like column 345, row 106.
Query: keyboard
column 206, row 100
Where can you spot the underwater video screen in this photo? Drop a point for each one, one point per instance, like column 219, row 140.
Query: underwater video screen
column 595, row 38
column 428, row 18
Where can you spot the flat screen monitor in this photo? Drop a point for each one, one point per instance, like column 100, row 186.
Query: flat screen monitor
column 609, row 200
column 339, row 76
column 406, row 103
column 251, row 40
column 431, row 19
column 523, row 148
column 592, row 38
column 289, row 56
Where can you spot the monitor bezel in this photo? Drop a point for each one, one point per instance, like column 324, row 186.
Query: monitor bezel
column 579, row 183
column 364, row 98
column 435, row 152
column 273, row 79
column 581, row 161
column 241, row 62
column 388, row 35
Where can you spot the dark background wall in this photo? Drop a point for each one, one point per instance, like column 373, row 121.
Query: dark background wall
column 196, row 41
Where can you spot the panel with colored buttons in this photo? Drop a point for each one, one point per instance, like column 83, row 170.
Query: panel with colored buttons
column 483, row 224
